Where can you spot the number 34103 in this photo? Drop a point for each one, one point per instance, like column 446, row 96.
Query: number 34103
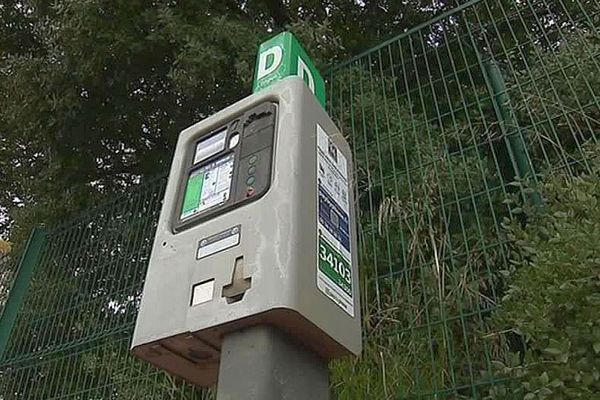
column 336, row 264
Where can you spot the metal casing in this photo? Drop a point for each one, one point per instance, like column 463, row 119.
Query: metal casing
column 278, row 244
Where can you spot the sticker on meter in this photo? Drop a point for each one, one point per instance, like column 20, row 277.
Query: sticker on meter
column 218, row 242
column 334, row 260
column 208, row 187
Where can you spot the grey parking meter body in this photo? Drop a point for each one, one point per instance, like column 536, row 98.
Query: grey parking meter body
column 256, row 228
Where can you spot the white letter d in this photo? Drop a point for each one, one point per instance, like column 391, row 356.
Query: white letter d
column 263, row 69
column 304, row 73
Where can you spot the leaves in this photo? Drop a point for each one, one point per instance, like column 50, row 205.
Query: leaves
column 94, row 93
column 555, row 291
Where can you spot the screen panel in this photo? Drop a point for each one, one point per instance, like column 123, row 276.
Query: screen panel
column 210, row 146
column 227, row 167
column 208, row 186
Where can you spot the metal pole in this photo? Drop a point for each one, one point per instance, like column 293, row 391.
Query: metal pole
column 260, row 363
column 515, row 142
column 18, row 291
column 508, row 121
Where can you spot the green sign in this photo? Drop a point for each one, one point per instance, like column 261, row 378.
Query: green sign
column 334, row 266
column 283, row 56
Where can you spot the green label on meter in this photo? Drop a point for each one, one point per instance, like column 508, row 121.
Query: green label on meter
column 334, row 266
column 193, row 193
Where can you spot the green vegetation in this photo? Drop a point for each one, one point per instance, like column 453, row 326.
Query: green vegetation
column 438, row 171
column 553, row 297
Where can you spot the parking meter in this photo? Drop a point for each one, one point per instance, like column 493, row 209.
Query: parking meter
column 256, row 228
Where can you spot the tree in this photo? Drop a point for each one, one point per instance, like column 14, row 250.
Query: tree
column 93, row 93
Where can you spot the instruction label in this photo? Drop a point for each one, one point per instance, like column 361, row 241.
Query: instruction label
column 208, row 186
column 334, row 260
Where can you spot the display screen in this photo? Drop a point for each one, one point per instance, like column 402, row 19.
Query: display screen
column 208, row 186
column 210, row 146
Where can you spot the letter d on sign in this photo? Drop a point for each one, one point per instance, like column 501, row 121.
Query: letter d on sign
column 282, row 56
column 265, row 68
column 305, row 73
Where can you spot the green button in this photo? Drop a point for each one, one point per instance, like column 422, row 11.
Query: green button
column 250, row 181
column 252, row 160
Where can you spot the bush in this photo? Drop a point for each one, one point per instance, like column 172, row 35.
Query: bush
column 553, row 300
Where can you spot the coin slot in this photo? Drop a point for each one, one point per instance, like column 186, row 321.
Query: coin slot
column 235, row 291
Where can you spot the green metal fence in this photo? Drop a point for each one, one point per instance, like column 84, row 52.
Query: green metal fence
column 71, row 336
column 447, row 122
column 450, row 124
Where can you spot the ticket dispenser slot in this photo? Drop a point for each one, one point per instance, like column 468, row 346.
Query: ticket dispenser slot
column 227, row 167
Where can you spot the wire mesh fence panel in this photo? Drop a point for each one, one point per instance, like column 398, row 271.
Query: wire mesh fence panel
column 73, row 330
column 452, row 124
column 98, row 370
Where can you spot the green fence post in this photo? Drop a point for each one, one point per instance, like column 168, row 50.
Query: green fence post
column 509, row 125
column 16, row 295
